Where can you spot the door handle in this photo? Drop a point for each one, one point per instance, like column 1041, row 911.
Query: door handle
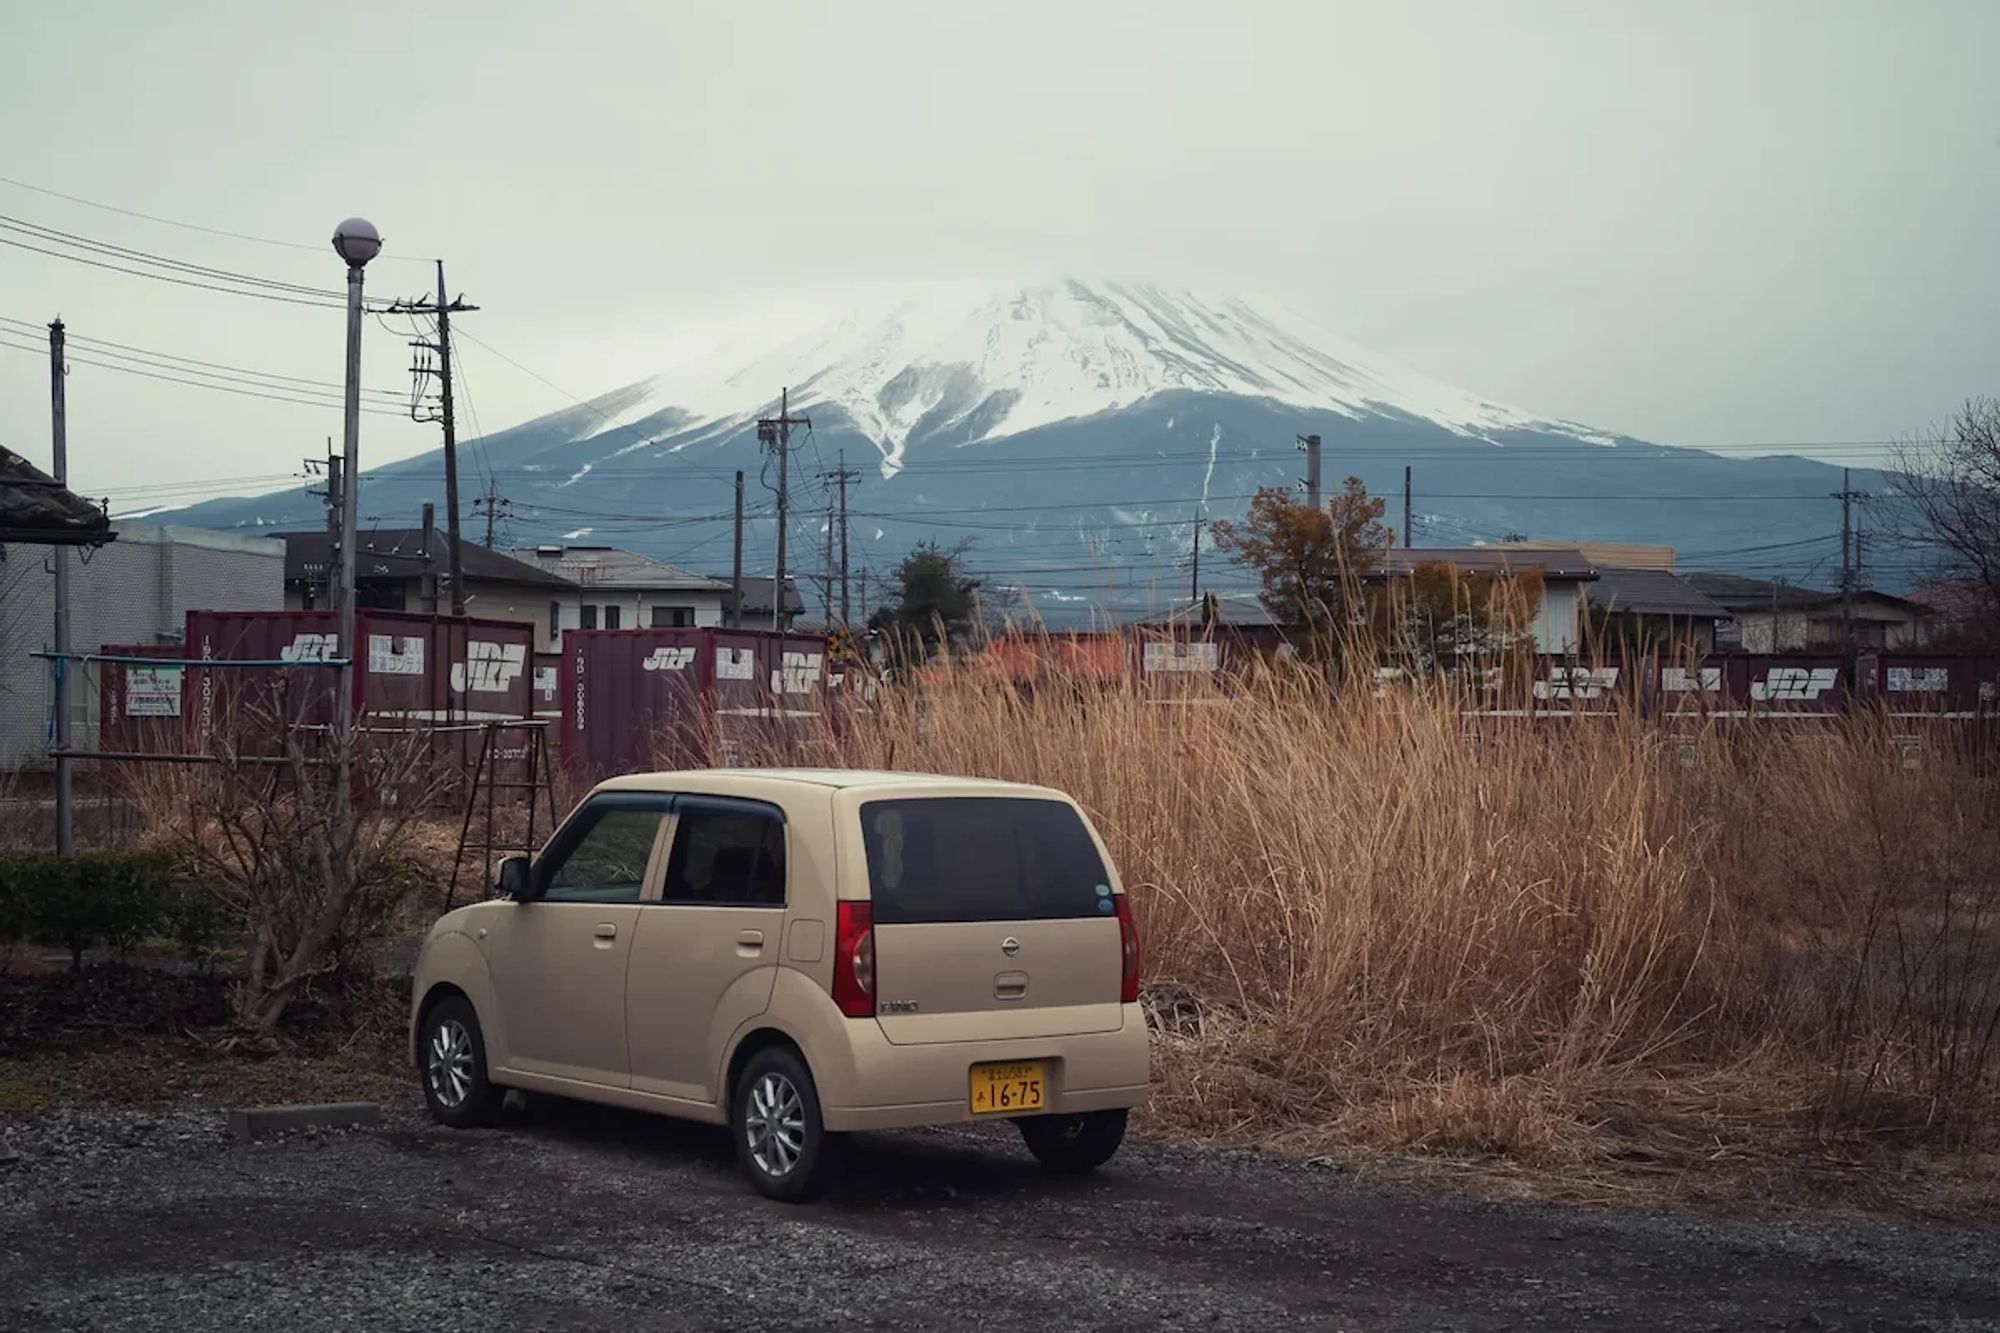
column 607, row 930
column 750, row 943
column 1010, row 985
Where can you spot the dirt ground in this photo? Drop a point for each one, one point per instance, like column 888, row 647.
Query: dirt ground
column 580, row 1218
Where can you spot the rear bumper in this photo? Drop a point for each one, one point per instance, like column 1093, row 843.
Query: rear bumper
column 904, row 1087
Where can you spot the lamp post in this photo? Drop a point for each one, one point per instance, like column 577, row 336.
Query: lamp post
column 357, row 242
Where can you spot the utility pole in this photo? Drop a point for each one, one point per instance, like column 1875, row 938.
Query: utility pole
column 736, row 563
column 1409, row 531
column 837, row 530
column 429, row 583
column 1310, row 443
column 59, row 428
column 492, row 505
column 776, row 432
column 442, row 310
column 1847, row 495
column 1194, row 583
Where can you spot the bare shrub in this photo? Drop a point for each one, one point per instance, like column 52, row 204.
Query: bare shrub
column 257, row 822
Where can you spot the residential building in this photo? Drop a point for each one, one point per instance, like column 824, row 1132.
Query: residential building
column 1564, row 571
column 1612, row 555
column 1650, row 608
column 36, row 511
column 757, row 601
column 1768, row 616
column 136, row 590
column 616, row 589
column 405, row 569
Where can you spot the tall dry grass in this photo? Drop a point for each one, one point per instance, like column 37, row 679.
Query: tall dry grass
column 1372, row 921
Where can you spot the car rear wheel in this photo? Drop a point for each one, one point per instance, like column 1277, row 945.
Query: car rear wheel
column 780, row 1138
column 451, row 1060
column 1074, row 1145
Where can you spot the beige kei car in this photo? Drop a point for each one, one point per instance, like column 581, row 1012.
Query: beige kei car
column 799, row 954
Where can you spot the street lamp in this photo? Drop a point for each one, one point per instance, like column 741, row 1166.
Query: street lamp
column 357, row 242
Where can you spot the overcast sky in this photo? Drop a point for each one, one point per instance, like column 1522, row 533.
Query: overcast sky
column 1713, row 224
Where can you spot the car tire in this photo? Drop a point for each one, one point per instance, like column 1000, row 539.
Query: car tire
column 1074, row 1145
column 781, row 1139
column 451, row 1064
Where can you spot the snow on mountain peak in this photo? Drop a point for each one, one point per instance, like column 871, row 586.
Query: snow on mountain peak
column 986, row 360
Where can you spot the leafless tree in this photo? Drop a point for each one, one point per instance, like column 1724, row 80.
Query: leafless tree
column 256, row 823
column 1949, row 488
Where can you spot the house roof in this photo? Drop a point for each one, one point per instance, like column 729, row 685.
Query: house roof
column 611, row 567
column 1556, row 566
column 1737, row 593
column 757, row 594
column 398, row 553
column 1652, row 592
column 35, row 511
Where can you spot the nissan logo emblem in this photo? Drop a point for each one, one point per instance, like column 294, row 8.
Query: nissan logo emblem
column 1010, row 946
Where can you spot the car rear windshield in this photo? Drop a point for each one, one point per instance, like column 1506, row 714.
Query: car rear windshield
column 981, row 858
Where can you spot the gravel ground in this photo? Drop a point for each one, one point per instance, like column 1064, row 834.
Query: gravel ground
column 578, row 1218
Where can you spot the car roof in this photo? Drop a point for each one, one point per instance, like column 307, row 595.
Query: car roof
column 827, row 780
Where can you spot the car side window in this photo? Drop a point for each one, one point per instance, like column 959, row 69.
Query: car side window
column 602, row 855
column 727, row 854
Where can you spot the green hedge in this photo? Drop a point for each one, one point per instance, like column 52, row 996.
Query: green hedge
column 106, row 898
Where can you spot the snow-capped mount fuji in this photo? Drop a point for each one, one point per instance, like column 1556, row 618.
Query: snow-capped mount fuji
column 1072, row 433
column 969, row 362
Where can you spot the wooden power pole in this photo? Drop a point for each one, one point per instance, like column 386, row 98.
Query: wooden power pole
column 442, row 310
column 736, row 563
column 776, row 433
column 59, row 555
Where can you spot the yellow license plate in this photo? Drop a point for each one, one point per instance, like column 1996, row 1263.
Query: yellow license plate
column 1004, row 1089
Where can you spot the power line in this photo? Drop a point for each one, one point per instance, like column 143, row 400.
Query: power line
column 190, row 364
column 185, row 226
column 57, row 236
column 199, row 384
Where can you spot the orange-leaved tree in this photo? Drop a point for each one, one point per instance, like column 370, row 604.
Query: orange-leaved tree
column 1310, row 562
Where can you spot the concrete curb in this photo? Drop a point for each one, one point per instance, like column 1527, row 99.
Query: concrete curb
column 250, row 1123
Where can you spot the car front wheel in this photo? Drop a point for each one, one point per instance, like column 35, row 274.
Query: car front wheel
column 451, row 1060
column 1074, row 1145
column 780, row 1139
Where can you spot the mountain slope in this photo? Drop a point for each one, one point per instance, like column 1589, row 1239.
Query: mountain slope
column 1070, row 433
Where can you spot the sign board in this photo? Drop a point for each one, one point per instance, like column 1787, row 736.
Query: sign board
column 395, row 655
column 1161, row 656
column 152, row 691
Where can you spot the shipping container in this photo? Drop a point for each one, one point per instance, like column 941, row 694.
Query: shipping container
column 635, row 700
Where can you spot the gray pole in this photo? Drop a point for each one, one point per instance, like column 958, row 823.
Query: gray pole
column 450, row 449
column 1194, row 583
column 350, row 495
column 784, row 506
column 1310, row 443
column 65, row 796
column 1409, row 534
column 1846, row 562
column 736, row 563
column 429, row 583
column 843, row 537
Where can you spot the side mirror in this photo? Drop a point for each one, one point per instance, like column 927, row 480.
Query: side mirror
column 514, row 881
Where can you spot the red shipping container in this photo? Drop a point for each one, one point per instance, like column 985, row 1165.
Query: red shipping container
column 634, row 700
column 411, row 668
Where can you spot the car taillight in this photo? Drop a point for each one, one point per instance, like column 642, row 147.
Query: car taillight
column 854, row 960
column 1128, row 947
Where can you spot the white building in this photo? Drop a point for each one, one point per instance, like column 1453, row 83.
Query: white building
column 136, row 590
column 621, row 590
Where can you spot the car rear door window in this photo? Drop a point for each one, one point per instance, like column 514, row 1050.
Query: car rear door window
column 602, row 852
column 726, row 854
column 981, row 859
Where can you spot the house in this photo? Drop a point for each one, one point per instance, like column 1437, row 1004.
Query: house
column 35, row 510
column 136, row 590
column 1564, row 571
column 757, row 601
column 403, row 569
column 618, row 589
column 1769, row 616
column 1650, row 608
